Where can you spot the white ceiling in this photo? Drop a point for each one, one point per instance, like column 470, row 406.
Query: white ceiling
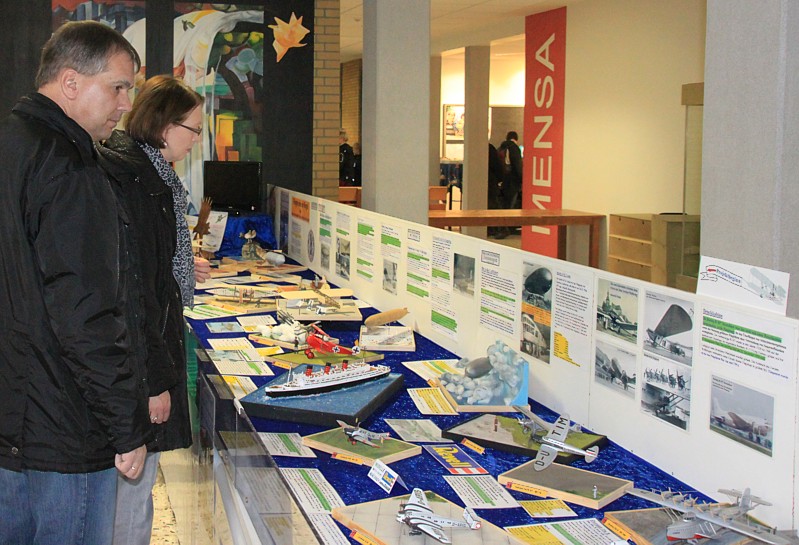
column 455, row 24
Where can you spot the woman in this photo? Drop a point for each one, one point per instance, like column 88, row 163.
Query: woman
column 161, row 128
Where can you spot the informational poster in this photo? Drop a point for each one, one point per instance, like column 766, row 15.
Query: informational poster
column 572, row 318
column 742, row 414
column 536, row 313
column 325, row 239
column 442, row 316
column 765, row 289
column 499, row 303
column 419, row 267
column 762, row 347
column 343, row 247
column 617, row 310
column 365, row 261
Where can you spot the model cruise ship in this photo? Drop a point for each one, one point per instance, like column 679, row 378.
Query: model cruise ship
column 329, row 378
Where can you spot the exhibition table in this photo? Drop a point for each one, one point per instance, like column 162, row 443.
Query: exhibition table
column 234, row 436
column 514, row 217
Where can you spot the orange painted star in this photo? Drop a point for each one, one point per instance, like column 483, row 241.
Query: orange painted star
column 288, row 35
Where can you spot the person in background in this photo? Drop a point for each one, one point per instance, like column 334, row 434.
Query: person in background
column 511, row 158
column 164, row 124
column 495, row 195
column 73, row 404
column 346, row 168
column 356, row 164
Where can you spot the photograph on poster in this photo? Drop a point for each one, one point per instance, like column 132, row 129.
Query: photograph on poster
column 742, row 414
column 463, row 274
column 343, row 257
column 669, row 327
column 615, row 368
column 536, row 311
column 666, row 390
column 311, row 246
column 324, row 256
column 390, row 276
column 617, row 310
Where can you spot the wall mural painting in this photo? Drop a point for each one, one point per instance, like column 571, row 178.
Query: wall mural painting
column 126, row 16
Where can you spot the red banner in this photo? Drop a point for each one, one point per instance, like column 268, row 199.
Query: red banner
column 542, row 183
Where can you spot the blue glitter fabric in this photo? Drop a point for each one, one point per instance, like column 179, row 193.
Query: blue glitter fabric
column 422, row 471
column 236, row 225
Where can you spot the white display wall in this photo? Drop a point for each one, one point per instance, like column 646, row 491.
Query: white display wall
column 673, row 396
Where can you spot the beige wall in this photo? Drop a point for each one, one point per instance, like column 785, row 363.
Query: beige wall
column 626, row 62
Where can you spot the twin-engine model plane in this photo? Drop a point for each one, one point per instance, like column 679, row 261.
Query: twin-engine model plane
column 421, row 519
column 554, row 442
column 357, row 434
column 694, row 521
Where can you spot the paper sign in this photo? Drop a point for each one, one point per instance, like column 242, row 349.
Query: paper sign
column 743, row 284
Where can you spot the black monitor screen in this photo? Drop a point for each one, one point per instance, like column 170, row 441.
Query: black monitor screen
column 233, row 185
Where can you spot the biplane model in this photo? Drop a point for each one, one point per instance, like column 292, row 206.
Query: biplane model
column 357, row 434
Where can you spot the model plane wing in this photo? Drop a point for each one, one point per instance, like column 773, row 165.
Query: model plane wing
column 418, row 499
column 546, row 455
column 560, row 430
column 433, row 531
column 743, row 529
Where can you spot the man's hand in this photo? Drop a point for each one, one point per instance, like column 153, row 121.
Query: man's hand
column 202, row 269
column 160, row 406
column 130, row 464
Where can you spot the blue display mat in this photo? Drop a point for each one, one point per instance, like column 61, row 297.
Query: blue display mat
column 352, row 405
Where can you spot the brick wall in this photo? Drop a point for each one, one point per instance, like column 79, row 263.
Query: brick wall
column 351, row 99
column 327, row 99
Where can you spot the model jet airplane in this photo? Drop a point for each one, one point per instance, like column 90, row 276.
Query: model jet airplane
column 421, row 519
column 675, row 321
column 694, row 521
column 555, row 442
column 357, row 434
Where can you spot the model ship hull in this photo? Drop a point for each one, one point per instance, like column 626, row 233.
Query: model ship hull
column 320, row 382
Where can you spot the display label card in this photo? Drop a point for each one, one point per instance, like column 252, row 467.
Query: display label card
column 455, row 459
column 431, row 401
column 285, row 444
column 481, row 492
column 548, row 509
column 765, row 289
column 384, row 476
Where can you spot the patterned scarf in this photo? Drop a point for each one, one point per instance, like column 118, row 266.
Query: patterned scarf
column 183, row 260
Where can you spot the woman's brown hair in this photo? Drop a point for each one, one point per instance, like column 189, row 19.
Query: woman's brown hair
column 161, row 102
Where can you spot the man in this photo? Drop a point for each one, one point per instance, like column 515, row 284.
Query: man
column 511, row 156
column 346, row 160
column 73, row 401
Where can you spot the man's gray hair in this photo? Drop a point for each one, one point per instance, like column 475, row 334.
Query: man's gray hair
column 84, row 46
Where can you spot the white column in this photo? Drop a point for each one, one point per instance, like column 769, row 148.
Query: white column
column 396, row 107
column 436, row 119
column 750, row 165
column 475, row 132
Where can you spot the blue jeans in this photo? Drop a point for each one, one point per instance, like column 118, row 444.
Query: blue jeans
column 133, row 524
column 48, row 508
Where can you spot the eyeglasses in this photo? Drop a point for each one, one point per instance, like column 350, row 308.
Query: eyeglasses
column 198, row 132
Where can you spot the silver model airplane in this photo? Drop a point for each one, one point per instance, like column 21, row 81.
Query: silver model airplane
column 531, row 422
column 554, row 442
column 357, row 434
column 694, row 521
column 421, row 519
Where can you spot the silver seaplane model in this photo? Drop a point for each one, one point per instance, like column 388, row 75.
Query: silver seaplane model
column 554, row 442
column 418, row 516
column 357, row 434
column 695, row 521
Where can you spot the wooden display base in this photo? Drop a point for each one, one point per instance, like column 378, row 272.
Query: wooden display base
column 336, row 442
column 566, row 483
column 648, row 527
column 353, row 404
column 505, row 433
column 376, row 522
